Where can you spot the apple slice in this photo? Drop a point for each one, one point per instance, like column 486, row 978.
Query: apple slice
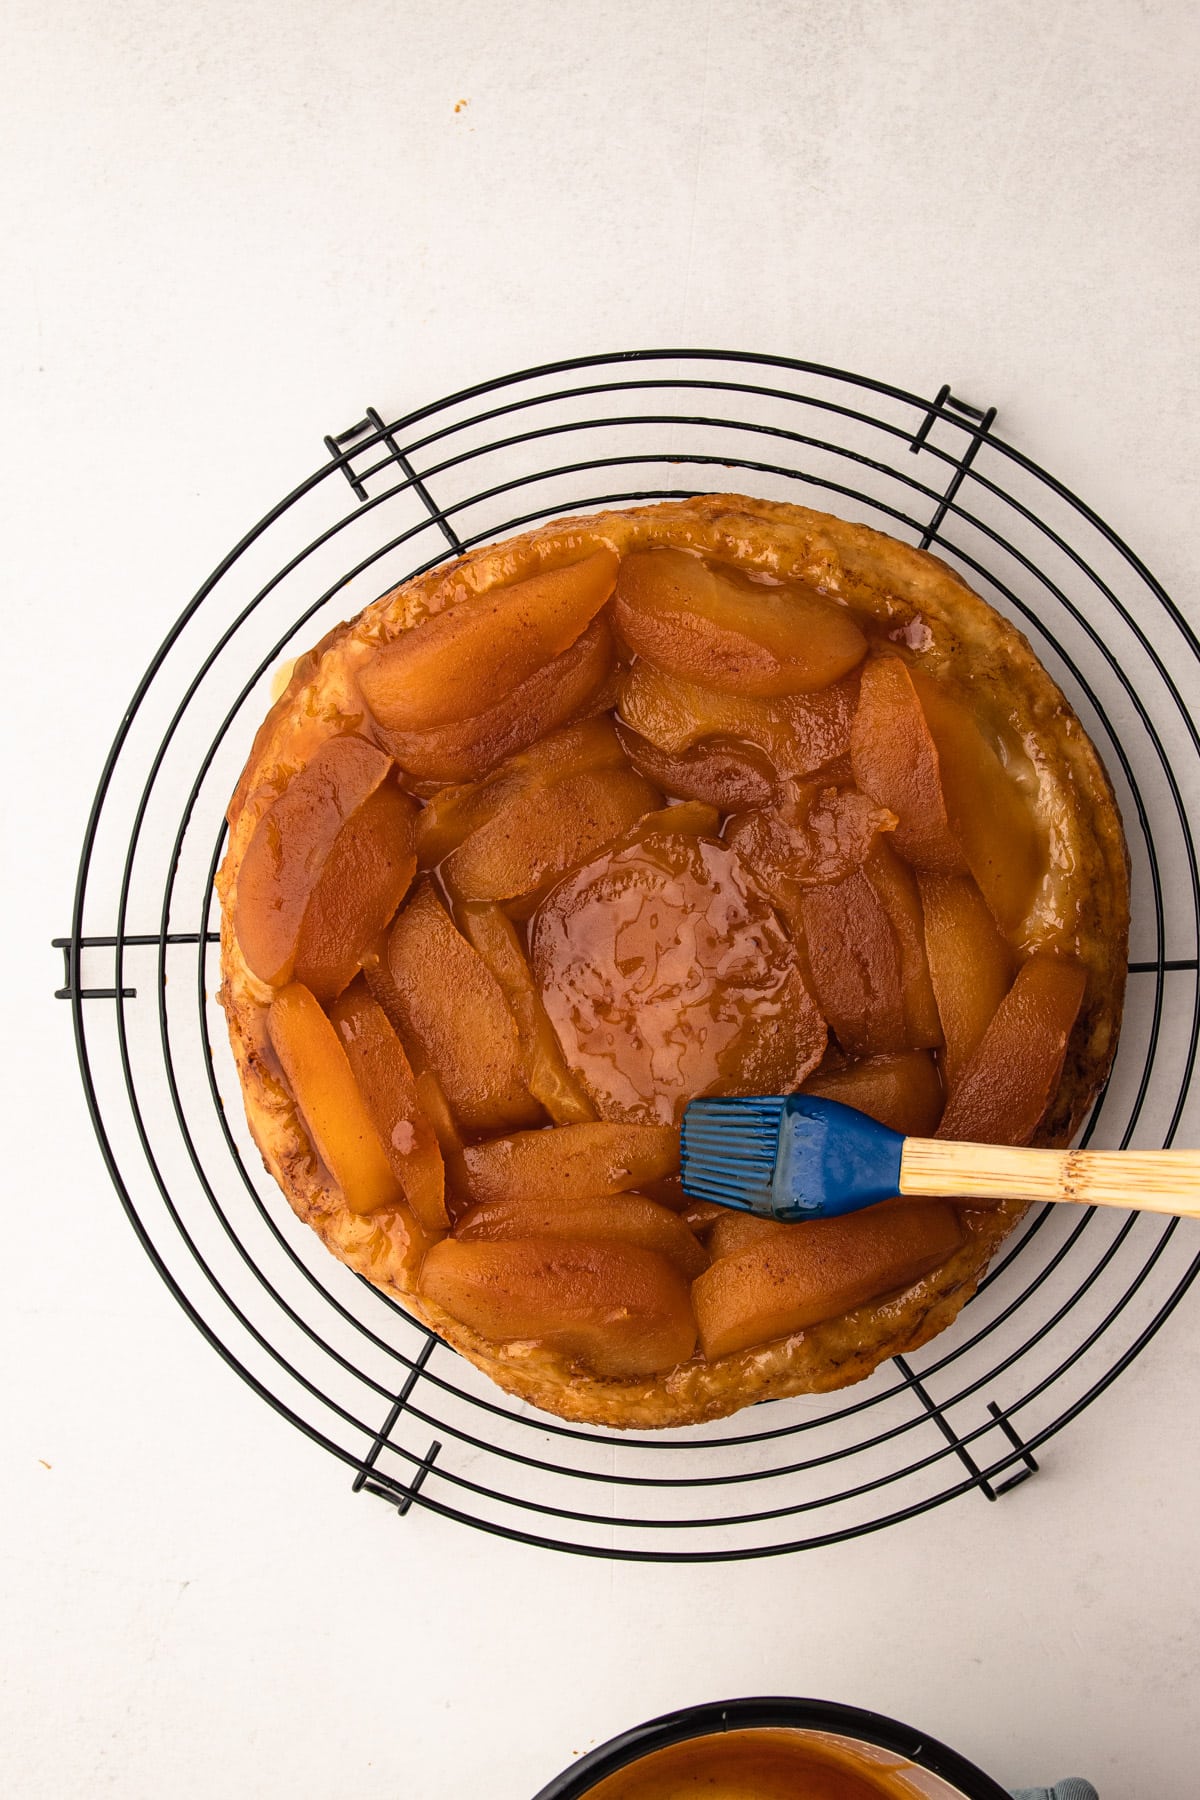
column 668, row 1191
column 819, row 726
column 988, row 813
column 548, row 698
column 737, row 1231
column 453, row 1019
column 897, row 888
column 453, row 813
column 895, row 760
column 711, row 623
column 620, row 1310
column 453, row 665
column 388, row 1088
column 579, row 749
column 798, row 734
column 902, row 1091
column 431, row 1097
column 366, row 875
column 971, row 965
column 817, row 833
column 545, row 1073
column 570, row 1162
column 818, row 1270
column 539, row 834
column 699, row 1215
column 334, row 1112
column 436, row 1108
column 292, row 844
column 855, row 964
column 608, row 1218
column 733, row 777
column 1005, row 1087
column 782, row 1041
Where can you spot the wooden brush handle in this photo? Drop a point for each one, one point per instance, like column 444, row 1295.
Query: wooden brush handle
column 1158, row 1181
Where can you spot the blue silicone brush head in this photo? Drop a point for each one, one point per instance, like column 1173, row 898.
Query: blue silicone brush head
column 787, row 1157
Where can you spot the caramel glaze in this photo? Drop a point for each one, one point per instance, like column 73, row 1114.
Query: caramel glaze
column 756, row 1765
column 627, row 913
column 652, row 962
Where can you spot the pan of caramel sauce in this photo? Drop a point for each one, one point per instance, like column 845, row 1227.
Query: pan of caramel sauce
column 760, row 1765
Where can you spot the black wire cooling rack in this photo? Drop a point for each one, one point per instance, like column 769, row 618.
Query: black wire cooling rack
column 1074, row 1296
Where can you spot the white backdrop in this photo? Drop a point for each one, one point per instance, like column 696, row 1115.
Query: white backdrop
column 227, row 228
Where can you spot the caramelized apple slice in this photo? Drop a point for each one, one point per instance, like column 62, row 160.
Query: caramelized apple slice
column 538, row 835
column 291, row 846
column 798, row 735
column 452, row 666
column 609, row 1218
column 672, row 715
column 712, row 624
column 987, row 810
column 816, row 1271
column 545, row 1073
column 652, row 962
column 570, row 1162
column 431, row 1097
column 366, row 875
column 819, row 726
column 378, row 976
column 817, row 833
column 455, row 812
column 699, row 1215
column 668, row 1191
column 855, row 965
column 388, row 1088
column 971, row 965
column 902, row 1091
column 732, row 777
column 896, row 886
column 896, row 761
column 555, row 693
column 620, row 1310
column 333, row 1110
column 1006, row 1086
column 737, row 1231
column 784, row 1038
column 436, row 1108
column 453, row 1019
column 580, row 749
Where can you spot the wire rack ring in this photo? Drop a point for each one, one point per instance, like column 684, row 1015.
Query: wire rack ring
column 1072, row 1299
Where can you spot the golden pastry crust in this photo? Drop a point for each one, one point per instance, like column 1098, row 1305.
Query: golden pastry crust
column 1081, row 910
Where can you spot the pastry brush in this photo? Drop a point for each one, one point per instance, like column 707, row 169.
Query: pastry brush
column 801, row 1157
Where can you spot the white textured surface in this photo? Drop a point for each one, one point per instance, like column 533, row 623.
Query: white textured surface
column 226, row 228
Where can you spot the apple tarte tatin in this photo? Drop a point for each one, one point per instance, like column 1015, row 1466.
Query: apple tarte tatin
column 718, row 796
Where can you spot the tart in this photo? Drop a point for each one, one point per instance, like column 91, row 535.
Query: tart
column 713, row 796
